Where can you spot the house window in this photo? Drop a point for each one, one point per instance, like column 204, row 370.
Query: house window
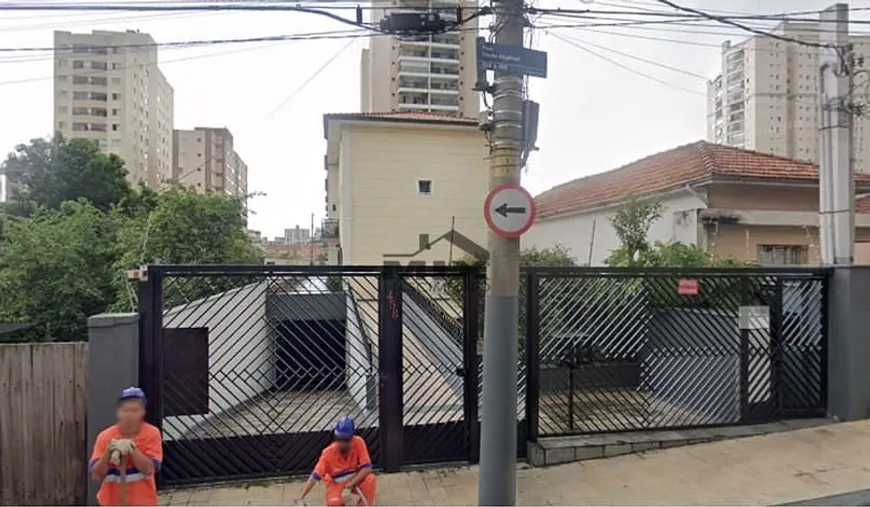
column 782, row 255
column 424, row 187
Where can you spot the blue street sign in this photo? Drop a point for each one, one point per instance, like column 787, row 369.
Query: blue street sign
column 509, row 58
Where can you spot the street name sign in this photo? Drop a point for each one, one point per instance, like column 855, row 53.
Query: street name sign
column 510, row 58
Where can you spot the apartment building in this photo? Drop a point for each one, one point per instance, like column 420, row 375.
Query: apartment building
column 424, row 73
column 108, row 88
column 204, row 158
column 766, row 97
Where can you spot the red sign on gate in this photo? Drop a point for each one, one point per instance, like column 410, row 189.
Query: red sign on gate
column 687, row 287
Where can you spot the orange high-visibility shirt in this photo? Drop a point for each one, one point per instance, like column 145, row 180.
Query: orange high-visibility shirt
column 333, row 466
column 141, row 488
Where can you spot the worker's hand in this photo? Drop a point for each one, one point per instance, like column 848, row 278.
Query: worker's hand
column 123, row 446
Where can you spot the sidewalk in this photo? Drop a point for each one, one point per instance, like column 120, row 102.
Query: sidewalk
column 765, row 470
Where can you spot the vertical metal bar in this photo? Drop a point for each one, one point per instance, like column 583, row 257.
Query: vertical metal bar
column 391, row 401
column 824, row 341
column 151, row 376
column 471, row 326
column 777, row 359
column 744, row 354
column 150, row 343
column 533, row 357
column 571, row 396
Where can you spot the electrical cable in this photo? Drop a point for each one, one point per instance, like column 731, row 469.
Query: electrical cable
column 726, row 21
column 187, row 58
column 623, row 66
column 565, row 38
column 311, row 78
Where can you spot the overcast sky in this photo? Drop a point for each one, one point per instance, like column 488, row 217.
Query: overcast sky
column 595, row 114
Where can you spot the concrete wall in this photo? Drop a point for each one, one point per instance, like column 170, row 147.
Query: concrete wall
column 113, row 364
column 849, row 377
column 575, row 231
column 239, row 350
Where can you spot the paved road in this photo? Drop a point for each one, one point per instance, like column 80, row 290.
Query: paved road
column 773, row 469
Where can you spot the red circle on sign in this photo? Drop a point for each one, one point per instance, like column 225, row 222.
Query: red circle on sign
column 489, row 221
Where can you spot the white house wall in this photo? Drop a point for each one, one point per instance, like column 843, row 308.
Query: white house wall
column 241, row 363
column 575, row 231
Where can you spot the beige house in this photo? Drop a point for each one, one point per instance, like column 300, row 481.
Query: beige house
column 392, row 177
column 729, row 201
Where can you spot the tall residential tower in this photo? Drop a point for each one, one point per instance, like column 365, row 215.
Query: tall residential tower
column 108, row 88
column 766, row 97
column 428, row 73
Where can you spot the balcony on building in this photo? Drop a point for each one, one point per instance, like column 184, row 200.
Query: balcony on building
column 413, row 67
column 414, row 100
column 444, row 69
column 329, row 228
column 410, row 84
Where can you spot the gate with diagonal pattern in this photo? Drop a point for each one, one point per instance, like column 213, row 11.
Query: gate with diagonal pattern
column 248, row 367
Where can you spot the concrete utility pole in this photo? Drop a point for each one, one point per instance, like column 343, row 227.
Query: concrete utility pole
column 836, row 172
column 498, row 439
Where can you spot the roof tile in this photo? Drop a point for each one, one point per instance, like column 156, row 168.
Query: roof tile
column 690, row 163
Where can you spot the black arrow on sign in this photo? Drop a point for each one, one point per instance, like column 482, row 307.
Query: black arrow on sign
column 504, row 209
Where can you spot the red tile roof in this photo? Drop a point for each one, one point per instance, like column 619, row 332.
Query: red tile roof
column 691, row 163
column 862, row 203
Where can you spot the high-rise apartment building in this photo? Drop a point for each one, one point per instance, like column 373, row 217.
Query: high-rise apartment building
column 766, row 97
column 108, row 88
column 427, row 73
column 204, row 158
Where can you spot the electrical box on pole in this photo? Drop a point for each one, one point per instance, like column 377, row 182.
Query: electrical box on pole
column 413, row 23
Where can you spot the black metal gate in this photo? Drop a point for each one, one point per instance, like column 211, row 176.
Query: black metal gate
column 614, row 350
column 248, row 367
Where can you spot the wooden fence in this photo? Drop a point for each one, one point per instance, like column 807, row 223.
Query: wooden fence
column 43, row 412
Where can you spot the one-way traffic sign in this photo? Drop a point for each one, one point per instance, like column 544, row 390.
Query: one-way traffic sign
column 509, row 210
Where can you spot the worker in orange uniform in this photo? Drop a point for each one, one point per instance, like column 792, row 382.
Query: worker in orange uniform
column 132, row 445
column 344, row 465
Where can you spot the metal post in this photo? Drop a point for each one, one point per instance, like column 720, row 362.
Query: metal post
column 837, row 84
column 498, row 440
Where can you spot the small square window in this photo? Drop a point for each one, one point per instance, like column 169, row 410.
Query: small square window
column 424, row 187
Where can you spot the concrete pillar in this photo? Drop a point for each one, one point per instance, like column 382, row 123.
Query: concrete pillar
column 849, row 343
column 113, row 355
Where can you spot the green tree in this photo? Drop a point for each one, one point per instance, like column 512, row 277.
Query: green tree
column 51, row 172
column 632, row 221
column 187, row 228
column 56, row 269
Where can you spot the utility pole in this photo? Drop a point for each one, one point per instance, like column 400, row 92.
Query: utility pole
column 498, row 435
column 836, row 171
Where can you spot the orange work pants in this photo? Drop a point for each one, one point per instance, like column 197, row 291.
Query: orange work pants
column 368, row 487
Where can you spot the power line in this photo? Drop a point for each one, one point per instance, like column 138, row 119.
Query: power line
column 309, row 80
column 625, row 67
column 565, row 38
column 726, row 21
column 276, row 41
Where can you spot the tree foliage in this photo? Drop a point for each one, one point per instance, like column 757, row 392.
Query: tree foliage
column 632, row 221
column 51, row 172
column 67, row 239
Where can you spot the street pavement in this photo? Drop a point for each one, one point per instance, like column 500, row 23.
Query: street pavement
column 781, row 468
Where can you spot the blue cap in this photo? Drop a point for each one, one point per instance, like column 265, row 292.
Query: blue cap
column 132, row 393
column 345, row 428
